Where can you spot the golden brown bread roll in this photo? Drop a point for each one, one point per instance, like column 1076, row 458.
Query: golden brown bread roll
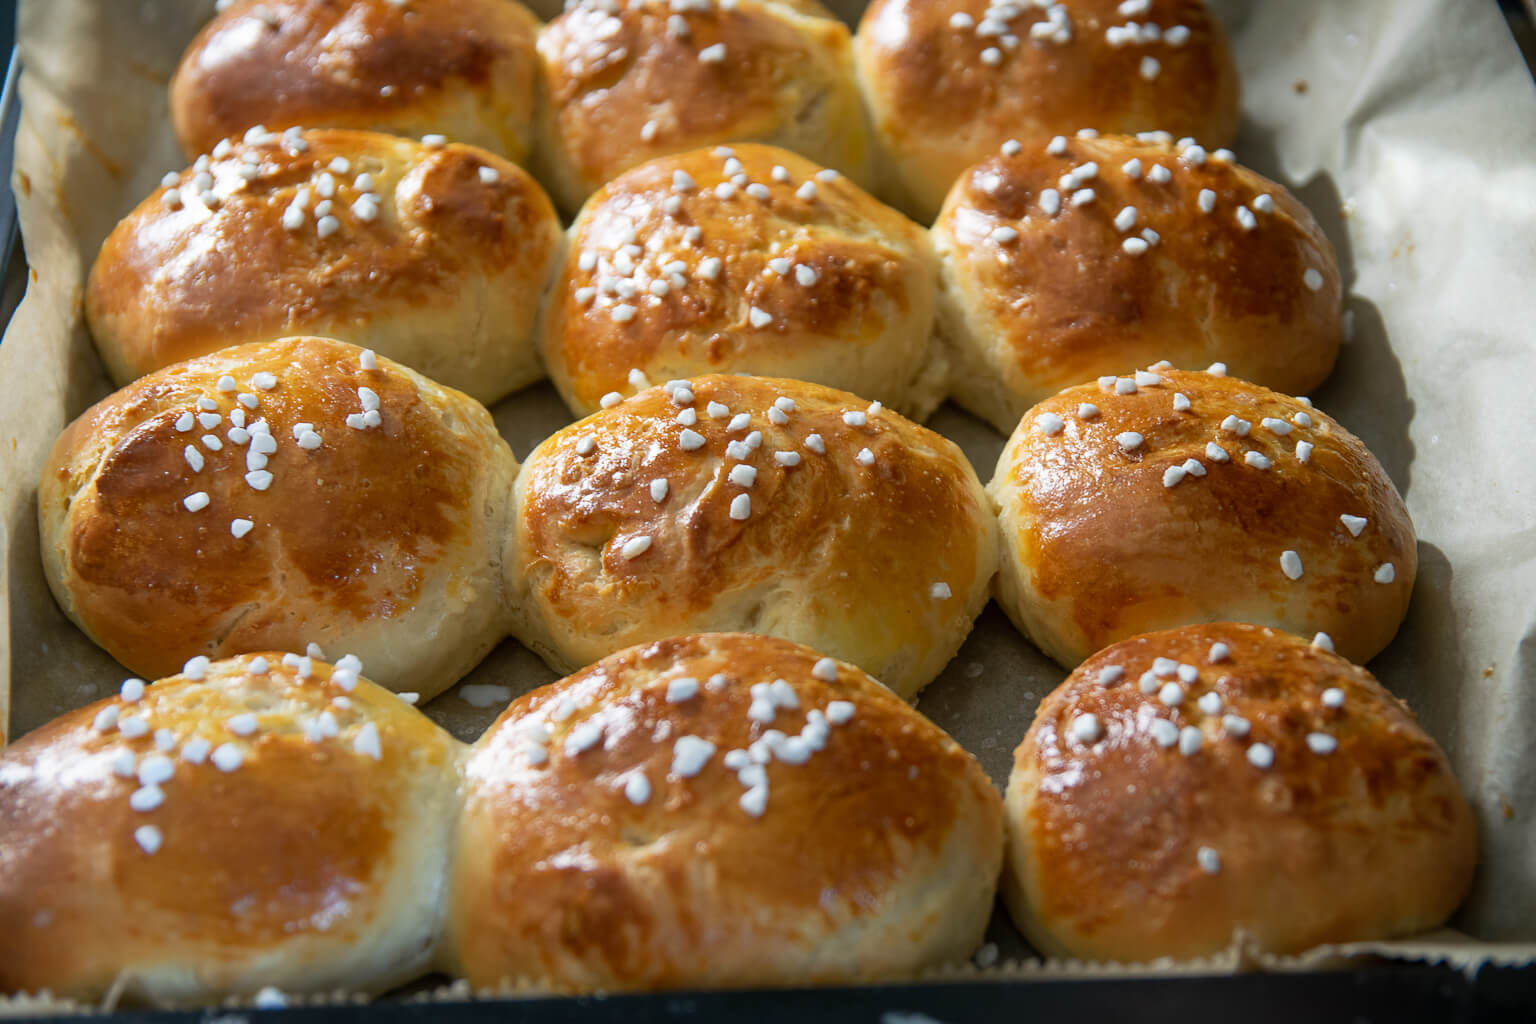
column 1183, row 787
column 435, row 256
column 948, row 81
column 606, row 845
column 1173, row 254
column 1168, row 497
column 370, row 518
column 467, row 70
column 633, row 81
column 757, row 505
column 743, row 259
column 258, row 821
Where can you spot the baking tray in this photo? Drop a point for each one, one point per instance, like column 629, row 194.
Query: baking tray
column 1386, row 991
column 1521, row 15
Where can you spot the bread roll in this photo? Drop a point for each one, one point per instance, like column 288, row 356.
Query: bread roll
column 755, row 505
column 169, row 529
column 606, row 845
column 633, row 81
column 948, row 81
column 432, row 255
column 1185, row 787
column 1196, row 498
column 248, row 823
column 746, row 258
column 467, row 70
column 1209, row 263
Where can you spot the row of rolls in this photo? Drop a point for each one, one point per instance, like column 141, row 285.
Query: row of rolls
column 1055, row 260
column 715, row 810
column 298, row 490
column 922, row 90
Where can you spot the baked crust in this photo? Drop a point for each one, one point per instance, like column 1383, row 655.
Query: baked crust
column 437, row 257
column 872, row 857
column 625, row 86
column 885, row 564
column 382, row 541
column 304, row 862
column 1191, row 519
column 1351, row 828
column 745, row 259
column 939, row 106
column 467, row 70
column 1034, row 301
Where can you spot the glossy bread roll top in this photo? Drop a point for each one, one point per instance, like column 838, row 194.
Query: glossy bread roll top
column 265, row 820
column 1064, row 259
column 717, row 811
column 633, row 81
column 436, row 256
column 272, row 495
column 1183, row 788
column 467, row 70
column 755, row 505
column 948, row 82
column 1168, row 497
column 748, row 259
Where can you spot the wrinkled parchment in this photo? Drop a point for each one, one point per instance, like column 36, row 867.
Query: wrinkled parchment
column 1408, row 126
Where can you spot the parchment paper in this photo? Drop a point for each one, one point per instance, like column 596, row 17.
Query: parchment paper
column 1409, row 127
